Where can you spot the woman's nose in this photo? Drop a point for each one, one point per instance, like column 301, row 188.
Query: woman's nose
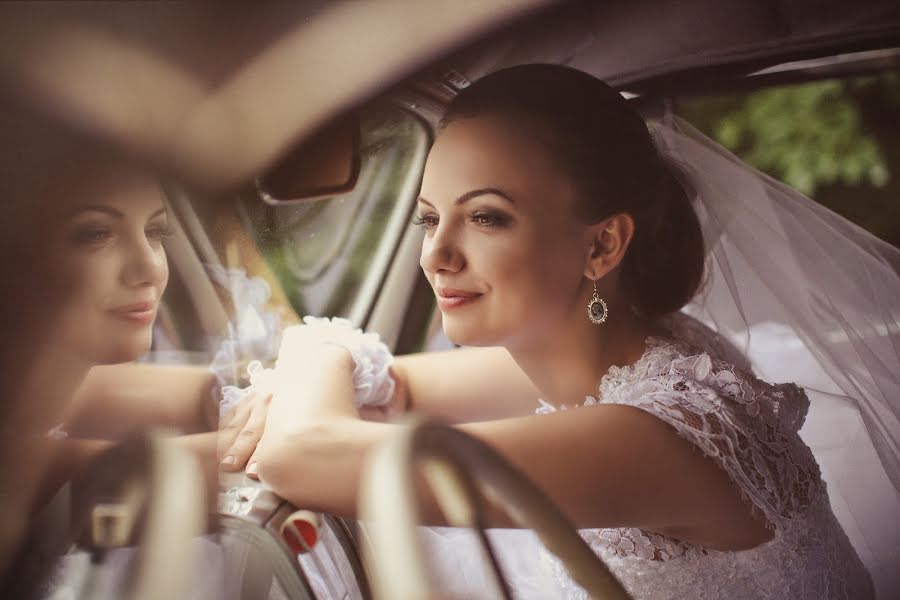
column 145, row 264
column 441, row 252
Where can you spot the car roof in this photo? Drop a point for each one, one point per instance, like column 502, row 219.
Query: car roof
column 639, row 45
column 217, row 94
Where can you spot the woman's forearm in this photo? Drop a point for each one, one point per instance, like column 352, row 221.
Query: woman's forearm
column 117, row 400
column 320, row 467
column 314, row 443
column 313, row 383
column 319, row 464
column 453, row 385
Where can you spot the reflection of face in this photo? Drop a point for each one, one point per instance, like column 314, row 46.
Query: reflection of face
column 109, row 267
column 503, row 249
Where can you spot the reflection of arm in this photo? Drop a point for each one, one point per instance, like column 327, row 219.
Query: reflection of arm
column 454, row 385
column 117, row 400
column 604, row 465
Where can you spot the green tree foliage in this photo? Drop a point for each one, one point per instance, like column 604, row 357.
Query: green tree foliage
column 805, row 135
column 835, row 140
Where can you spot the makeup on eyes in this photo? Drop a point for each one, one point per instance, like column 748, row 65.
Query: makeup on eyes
column 481, row 217
column 90, row 233
column 427, row 220
column 94, row 231
column 489, row 218
column 159, row 230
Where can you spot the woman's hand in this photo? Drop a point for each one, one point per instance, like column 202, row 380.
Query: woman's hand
column 313, row 381
column 240, row 431
column 323, row 344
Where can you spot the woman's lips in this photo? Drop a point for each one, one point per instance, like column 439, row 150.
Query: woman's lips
column 141, row 313
column 449, row 298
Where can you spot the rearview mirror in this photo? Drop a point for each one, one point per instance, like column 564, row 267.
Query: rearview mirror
column 325, row 164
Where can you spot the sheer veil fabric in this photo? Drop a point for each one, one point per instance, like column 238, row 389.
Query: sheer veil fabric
column 813, row 299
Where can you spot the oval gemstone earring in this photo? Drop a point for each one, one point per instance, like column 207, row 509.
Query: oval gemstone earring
column 596, row 308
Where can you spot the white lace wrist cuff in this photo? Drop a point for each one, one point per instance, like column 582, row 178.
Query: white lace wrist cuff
column 372, row 381
column 372, row 359
column 262, row 380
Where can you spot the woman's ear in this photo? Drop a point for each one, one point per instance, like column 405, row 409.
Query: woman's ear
column 609, row 242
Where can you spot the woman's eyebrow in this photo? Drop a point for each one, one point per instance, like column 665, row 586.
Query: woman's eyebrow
column 114, row 212
column 472, row 194
column 99, row 208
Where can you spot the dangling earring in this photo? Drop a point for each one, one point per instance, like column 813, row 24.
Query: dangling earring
column 596, row 308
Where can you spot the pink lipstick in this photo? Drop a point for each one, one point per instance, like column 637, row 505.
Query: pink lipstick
column 140, row 313
column 450, row 298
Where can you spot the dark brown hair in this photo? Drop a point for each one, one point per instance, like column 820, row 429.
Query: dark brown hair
column 603, row 144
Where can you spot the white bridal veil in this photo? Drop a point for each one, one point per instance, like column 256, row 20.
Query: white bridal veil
column 810, row 298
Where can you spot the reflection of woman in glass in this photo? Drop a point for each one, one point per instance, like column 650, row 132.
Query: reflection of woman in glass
column 543, row 195
column 86, row 251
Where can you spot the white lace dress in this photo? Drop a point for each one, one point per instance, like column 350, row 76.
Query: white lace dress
column 750, row 429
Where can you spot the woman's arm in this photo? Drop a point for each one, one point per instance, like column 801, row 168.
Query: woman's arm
column 604, row 465
column 117, row 400
column 453, row 385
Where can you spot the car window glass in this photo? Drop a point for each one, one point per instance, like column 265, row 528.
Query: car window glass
column 242, row 270
column 835, row 140
column 330, row 255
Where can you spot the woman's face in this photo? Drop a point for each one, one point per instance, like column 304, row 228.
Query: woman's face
column 503, row 249
column 108, row 266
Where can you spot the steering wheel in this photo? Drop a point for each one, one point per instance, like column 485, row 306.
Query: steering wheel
column 457, row 466
column 146, row 492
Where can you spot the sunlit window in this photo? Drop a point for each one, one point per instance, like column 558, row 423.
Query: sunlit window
column 836, row 140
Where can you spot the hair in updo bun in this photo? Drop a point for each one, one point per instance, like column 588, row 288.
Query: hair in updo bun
column 603, row 144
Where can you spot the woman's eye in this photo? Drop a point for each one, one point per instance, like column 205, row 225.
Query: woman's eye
column 427, row 221
column 485, row 219
column 92, row 235
column 158, row 232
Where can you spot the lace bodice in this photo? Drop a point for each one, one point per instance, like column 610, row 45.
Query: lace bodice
column 750, row 429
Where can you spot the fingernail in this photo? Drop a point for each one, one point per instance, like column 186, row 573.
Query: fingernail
column 229, row 460
column 251, row 469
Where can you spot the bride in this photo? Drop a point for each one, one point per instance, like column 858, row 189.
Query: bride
column 561, row 247
column 84, row 250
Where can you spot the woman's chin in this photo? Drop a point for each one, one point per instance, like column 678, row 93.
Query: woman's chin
column 467, row 333
column 126, row 350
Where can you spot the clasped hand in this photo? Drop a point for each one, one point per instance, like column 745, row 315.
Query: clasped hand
column 240, row 431
column 310, row 374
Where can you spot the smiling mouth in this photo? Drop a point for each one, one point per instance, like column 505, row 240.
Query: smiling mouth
column 141, row 313
column 448, row 298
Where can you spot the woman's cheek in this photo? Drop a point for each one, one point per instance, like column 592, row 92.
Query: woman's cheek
column 97, row 267
column 164, row 279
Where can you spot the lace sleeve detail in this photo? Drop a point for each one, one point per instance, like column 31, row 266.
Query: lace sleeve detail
column 748, row 427
column 372, row 381
column 372, row 358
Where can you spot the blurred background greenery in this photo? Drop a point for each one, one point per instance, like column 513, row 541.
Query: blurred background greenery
column 837, row 141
